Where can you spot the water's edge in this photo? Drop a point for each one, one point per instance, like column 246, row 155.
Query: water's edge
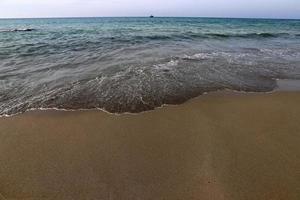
column 283, row 85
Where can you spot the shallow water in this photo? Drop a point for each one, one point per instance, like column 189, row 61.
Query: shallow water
column 137, row 64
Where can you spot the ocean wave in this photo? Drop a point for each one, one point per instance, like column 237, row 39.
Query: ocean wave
column 250, row 35
column 18, row 30
column 178, row 36
column 242, row 35
column 191, row 35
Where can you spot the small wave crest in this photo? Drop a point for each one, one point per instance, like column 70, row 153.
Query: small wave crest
column 192, row 35
column 18, row 30
column 247, row 35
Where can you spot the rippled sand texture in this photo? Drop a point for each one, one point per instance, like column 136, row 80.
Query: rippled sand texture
column 219, row 146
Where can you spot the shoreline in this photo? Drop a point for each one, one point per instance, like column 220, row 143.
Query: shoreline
column 223, row 145
column 218, row 92
column 283, row 85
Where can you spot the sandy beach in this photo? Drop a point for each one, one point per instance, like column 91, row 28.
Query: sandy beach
column 218, row 146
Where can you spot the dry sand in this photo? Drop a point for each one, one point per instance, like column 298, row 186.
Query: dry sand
column 218, row 146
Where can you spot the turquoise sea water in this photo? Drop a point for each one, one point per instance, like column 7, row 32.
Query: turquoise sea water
column 137, row 64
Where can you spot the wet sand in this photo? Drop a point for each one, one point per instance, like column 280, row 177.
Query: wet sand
column 219, row 146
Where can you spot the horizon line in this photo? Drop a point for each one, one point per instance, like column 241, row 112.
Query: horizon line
column 208, row 17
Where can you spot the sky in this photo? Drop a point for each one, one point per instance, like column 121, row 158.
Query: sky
column 186, row 8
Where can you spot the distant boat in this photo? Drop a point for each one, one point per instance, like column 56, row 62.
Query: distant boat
column 151, row 16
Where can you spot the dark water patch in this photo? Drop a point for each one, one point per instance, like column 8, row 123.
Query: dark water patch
column 249, row 35
column 18, row 30
column 154, row 37
column 288, row 85
column 191, row 36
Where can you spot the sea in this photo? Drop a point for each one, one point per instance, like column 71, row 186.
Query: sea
column 130, row 65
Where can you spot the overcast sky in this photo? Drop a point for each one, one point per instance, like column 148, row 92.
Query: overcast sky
column 200, row 8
